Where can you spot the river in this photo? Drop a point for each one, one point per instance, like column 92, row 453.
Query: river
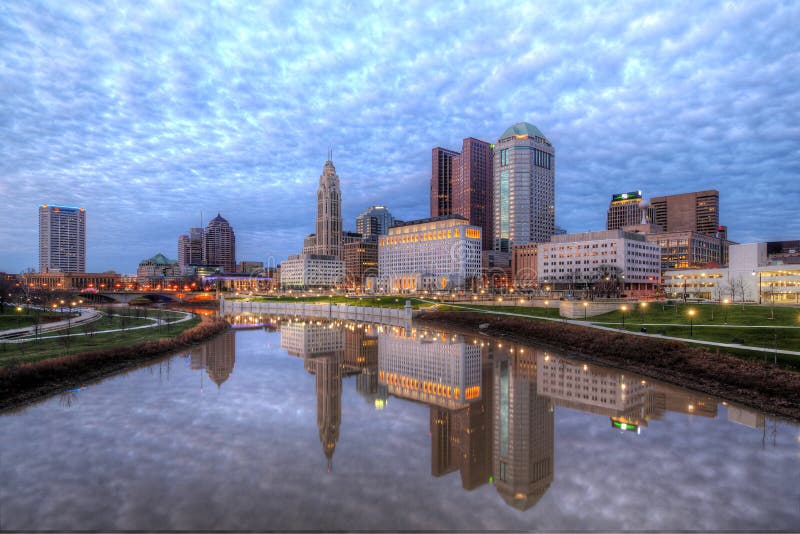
column 311, row 424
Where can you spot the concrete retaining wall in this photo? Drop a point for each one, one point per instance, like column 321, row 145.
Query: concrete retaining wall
column 574, row 309
column 391, row 316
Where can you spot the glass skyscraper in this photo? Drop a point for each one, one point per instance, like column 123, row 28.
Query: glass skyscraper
column 524, row 187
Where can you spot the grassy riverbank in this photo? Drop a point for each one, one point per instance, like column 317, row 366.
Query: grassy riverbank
column 772, row 389
column 26, row 381
column 91, row 337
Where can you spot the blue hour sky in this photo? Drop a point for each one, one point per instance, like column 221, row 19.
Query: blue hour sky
column 149, row 113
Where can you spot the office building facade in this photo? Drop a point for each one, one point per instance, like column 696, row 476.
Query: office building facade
column 442, row 181
column 440, row 253
column 523, row 188
column 697, row 211
column 374, row 221
column 302, row 271
column 219, row 245
column 190, row 249
column 472, row 186
column 328, row 239
column 360, row 263
column 575, row 261
column 62, row 239
column 626, row 209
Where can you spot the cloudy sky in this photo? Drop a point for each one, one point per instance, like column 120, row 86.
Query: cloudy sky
column 148, row 114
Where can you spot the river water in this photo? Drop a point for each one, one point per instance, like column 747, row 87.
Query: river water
column 303, row 424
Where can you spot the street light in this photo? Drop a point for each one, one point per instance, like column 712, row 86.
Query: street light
column 691, row 323
column 644, row 309
column 725, row 304
column 624, row 309
column 585, row 305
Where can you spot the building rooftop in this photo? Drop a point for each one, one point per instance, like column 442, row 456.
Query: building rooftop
column 522, row 128
column 160, row 259
column 431, row 219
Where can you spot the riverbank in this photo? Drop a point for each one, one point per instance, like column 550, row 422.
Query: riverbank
column 23, row 383
column 762, row 386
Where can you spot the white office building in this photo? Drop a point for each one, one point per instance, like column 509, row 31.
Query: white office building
column 574, row 261
column 751, row 276
column 442, row 253
column 302, row 271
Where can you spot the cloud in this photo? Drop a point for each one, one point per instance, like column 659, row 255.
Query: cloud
column 147, row 114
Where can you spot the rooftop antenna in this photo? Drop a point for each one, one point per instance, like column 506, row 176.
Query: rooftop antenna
column 201, row 218
column 330, row 153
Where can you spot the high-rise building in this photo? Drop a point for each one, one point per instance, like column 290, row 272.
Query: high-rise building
column 442, row 181
column 62, row 239
column 697, row 211
column 190, row 248
column 524, row 187
column 472, row 186
column 376, row 220
column 360, row 262
column 219, row 245
column 329, row 212
column 625, row 209
column 461, row 184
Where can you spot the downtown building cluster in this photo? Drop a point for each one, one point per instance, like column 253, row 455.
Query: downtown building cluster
column 492, row 227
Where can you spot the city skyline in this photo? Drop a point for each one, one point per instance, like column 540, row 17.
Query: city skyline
column 146, row 123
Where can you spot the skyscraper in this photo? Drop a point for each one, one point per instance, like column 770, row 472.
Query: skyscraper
column 62, row 239
column 376, row 220
column 329, row 212
column 190, row 248
column 471, row 190
column 442, row 181
column 625, row 209
column 697, row 211
column 219, row 245
column 524, row 187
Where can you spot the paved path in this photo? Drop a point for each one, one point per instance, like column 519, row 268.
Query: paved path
column 87, row 315
column 156, row 322
column 617, row 330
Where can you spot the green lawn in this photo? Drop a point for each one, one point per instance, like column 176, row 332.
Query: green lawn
column 10, row 318
column 768, row 338
column 704, row 314
column 49, row 348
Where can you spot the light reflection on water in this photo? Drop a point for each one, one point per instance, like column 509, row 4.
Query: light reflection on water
column 335, row 425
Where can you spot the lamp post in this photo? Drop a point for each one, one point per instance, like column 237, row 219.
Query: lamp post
column 691, row 323
column 585, row 305
column 643, row 309
column 725, row 304
column 624, row 309
column 759, row 286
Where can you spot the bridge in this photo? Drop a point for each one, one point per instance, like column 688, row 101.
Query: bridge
column 126, row 297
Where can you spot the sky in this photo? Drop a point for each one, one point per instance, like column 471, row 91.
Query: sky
column 149, row 114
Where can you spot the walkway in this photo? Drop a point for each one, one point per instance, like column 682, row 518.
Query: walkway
column 617, row 330
column 87, row 315
column 156, row 322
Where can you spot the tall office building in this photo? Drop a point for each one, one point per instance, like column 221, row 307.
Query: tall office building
column 442, row 181
column 524, row 187
column 329, row 212
column 62, row 239
column 697, row 212
column 376, row 220
column 190, row 248
column 219, row 245
column 626, row 209
column 472, row 186
column 461, row 184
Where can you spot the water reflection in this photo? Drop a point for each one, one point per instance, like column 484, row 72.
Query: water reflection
column 491, row 406
column 383, row 398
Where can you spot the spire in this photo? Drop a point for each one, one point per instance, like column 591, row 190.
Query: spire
column 330, row 153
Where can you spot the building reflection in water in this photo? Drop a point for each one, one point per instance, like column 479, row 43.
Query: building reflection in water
column 216, row 356
column 491, row 404
column 524, row 437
